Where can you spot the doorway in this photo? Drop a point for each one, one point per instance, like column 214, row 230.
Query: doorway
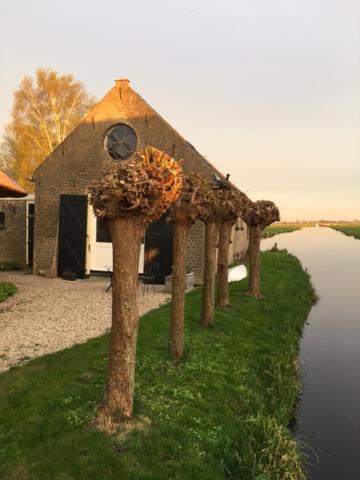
column 72, row 234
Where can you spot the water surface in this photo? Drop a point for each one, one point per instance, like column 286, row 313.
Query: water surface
column 329, row 412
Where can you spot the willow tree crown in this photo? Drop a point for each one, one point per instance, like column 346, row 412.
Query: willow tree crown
column 230, row 204
column 142, row 188
column 195, row 199
column 261, row 212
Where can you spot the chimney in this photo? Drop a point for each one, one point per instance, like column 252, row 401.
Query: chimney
column 122, row 83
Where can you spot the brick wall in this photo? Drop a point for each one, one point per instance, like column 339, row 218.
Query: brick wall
column 13, row 235
column 81, row 158
column 195, row 251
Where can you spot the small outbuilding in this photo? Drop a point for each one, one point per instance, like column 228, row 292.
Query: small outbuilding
column 16, row 223
column 65, row 226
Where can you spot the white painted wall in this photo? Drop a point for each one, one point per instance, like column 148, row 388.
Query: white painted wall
column 100, row 253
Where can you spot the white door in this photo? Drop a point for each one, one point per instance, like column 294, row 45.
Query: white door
column 101, row 248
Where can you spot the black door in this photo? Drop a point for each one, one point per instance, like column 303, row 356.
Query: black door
column 72, row 234
column 159, row 250
column 30, row 233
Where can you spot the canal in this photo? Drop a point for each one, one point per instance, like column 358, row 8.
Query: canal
column 328, row 422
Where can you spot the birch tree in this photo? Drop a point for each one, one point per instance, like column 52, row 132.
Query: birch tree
column 45, row 111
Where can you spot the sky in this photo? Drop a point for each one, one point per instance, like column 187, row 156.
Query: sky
column 268, row 91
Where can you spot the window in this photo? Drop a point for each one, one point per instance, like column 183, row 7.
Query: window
column 102, row 232
column 2, row 220
column 120, row 142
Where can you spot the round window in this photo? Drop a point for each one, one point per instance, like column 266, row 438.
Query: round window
column 120, row 142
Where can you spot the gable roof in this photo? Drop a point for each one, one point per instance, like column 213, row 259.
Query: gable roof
column 126, row 104
column 201, row 158
column 10, row 188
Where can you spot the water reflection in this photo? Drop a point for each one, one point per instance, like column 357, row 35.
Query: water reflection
column 329, row 413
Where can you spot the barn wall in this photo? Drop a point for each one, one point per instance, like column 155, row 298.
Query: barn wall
column 240, row 241
column 82, row 157
column 13, row 235
column 195, row 251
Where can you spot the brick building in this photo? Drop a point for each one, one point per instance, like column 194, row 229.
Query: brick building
column 117, row 126
column 16, row 230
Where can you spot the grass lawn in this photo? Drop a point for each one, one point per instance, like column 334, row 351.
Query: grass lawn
column 6, row 290
column 350, row 229
column 277, row 228
column 221, row 414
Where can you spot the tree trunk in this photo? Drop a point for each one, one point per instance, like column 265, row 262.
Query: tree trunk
column 208, row 297
column 223, row 297
column 176, row 341
column 126, row 235
column 255, row 232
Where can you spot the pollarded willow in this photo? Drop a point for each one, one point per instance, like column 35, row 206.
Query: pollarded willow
column 210, row 216
column 129, row 197
column 189, row 207
column 257, row 216
column 231, row 205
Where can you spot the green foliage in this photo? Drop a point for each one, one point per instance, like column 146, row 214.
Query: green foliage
column 276, row 229
column 6, row 290
column 220, row 414
column 351, row 230
column 9, row 266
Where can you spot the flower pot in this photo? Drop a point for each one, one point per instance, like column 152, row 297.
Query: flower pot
column 189, row 282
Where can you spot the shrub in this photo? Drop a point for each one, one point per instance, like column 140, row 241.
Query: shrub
column 8, row 266
column 6, row 290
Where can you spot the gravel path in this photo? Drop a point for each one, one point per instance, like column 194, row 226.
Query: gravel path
column 49, row 315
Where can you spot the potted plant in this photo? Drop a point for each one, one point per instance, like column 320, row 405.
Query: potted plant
column 189, row 281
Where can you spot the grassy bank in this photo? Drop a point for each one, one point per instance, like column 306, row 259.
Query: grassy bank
column 221, row 414
column 276, row 229
column 6, row 290
column 350, row 229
